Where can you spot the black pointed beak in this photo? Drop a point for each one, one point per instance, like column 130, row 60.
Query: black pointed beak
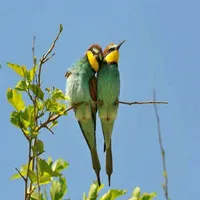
column 120, row 44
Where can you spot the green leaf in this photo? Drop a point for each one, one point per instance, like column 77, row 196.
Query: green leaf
column 45, row 194
column 15, row 99
column 84, row 196
column 146, row 196
column 20, row 70
column 32, row 176
column 40, row 105
column 14, row 118
column 32, row 73
column 44, row 166
column 133, row 198
column 136, row 192
column 37, row 91
column 45, row 178
column 58, row 95
column 36, row 196
column 38, row 148
column 93, row 192
column 55, row 107
column 25, row 123
column 29, row 114
column 58, row 189
column 113, row 194
column 50, row 161
column 59, row 165
column 21, row 85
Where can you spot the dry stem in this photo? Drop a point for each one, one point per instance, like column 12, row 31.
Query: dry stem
column 165, row 185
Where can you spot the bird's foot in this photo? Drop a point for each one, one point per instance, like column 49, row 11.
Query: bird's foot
column 99, row 102
column 75, row 105
column 116, row 103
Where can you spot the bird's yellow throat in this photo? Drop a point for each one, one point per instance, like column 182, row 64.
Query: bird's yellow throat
column 112, row 57
column 93, row 61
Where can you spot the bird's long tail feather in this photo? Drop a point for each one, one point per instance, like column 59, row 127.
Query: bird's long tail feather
column 96, row 164
column 109, row 163
column 107, row 127
column 88, row 131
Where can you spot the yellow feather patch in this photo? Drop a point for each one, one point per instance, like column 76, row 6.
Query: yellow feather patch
column 93, row 61
column 112, row 57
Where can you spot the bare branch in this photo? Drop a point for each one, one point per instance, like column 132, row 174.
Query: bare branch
column 33, row 51
column 142, row 102
column 49, row 129
column 20, row 174
column 49, row 57
column 165, row 185
column 45, row 57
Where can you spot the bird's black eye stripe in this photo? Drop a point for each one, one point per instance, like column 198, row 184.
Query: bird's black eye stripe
column 92, row 51
column 111, row 49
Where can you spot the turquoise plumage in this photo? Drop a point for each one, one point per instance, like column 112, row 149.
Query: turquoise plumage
column 81, row 88
column 108, row 90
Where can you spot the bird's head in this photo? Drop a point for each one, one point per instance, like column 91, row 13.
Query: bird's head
column 111, row 52
column 95, row 56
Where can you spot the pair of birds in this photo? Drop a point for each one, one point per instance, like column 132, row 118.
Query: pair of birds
column 89, row 94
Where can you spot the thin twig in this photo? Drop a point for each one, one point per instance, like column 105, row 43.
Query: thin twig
column 142, row 102
column 49, row 57
column 33, row 51
column 28, row 167
column 26, row 136
column 37, row 173
column 20, row 174
column 29, row 94
column 45, row 57
column 53, row 118
column 49, row 129
column 165, row 186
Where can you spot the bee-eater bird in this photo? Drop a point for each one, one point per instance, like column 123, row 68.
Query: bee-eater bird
column 108, row 89
column 82, row 89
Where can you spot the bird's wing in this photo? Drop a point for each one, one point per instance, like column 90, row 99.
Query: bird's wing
column 93, row 94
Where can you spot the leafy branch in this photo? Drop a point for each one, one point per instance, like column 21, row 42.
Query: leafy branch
column 37, row 171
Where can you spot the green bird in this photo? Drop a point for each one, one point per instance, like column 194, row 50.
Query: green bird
column 108, row 89
column 82, row 89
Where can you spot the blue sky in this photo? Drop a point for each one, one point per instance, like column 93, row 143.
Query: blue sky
column 161, row 51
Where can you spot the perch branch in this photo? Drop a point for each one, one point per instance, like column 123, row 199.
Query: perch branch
column 165, row 185
column 142, row 102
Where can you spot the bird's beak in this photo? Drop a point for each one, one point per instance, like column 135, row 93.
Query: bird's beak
column 120, row 44
column 99, row 57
